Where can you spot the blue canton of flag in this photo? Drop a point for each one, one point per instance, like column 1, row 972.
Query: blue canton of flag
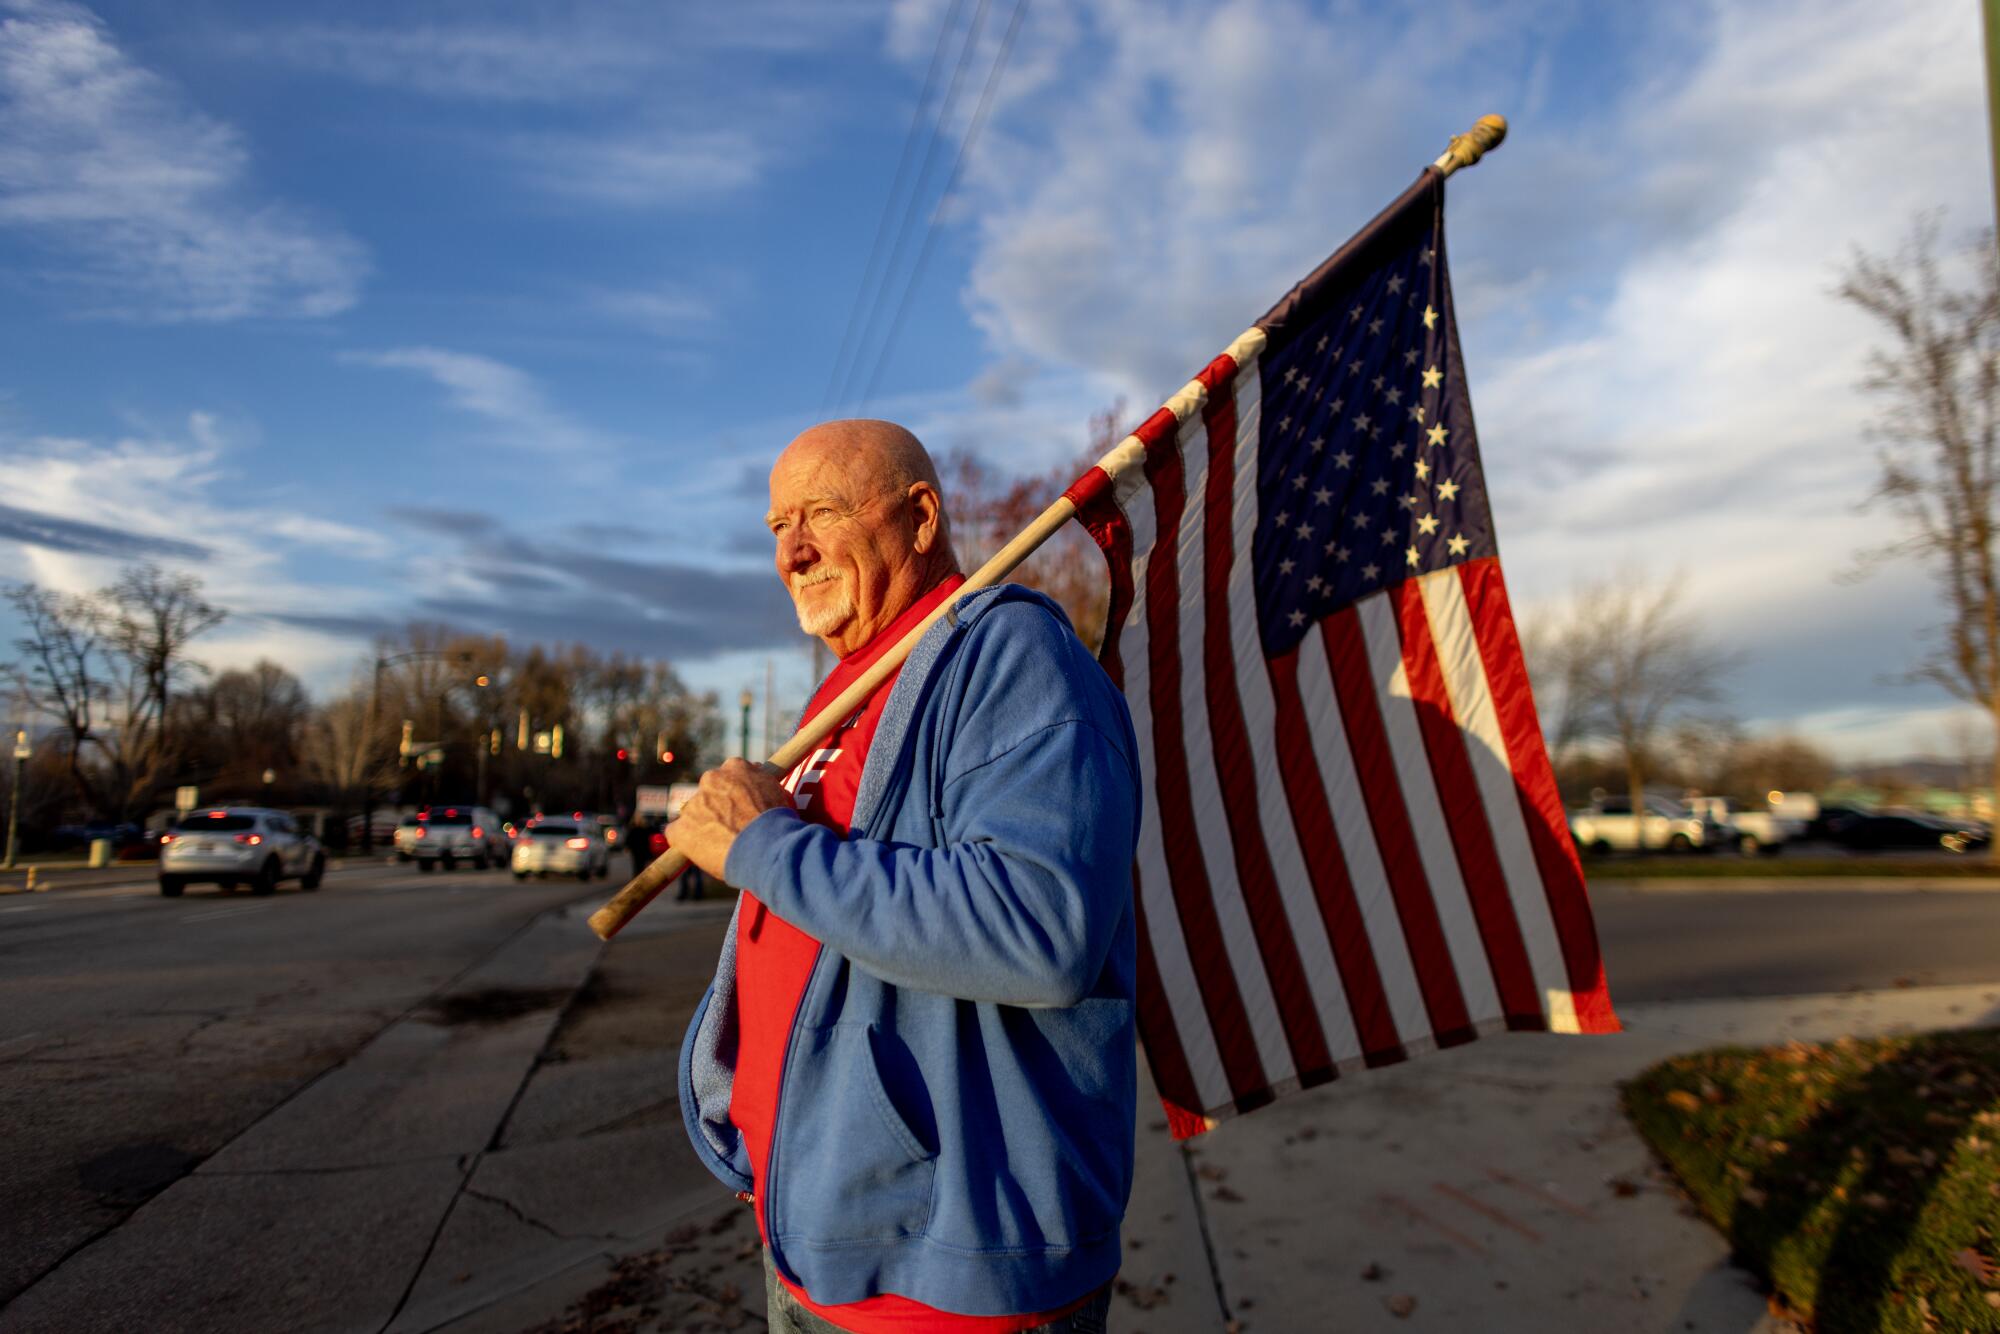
column 1369, row 472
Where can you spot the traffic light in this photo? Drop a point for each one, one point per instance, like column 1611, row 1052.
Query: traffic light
column 623, row 754
column 666, row 757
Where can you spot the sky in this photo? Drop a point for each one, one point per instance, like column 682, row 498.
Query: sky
column 495, row 314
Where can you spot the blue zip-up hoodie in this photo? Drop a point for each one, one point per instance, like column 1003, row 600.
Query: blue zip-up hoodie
column 955, row 1111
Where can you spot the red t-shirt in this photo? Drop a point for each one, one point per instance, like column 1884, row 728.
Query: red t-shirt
column 774, row 960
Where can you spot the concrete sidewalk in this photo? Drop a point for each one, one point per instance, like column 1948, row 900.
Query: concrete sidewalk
column 1496, row 1187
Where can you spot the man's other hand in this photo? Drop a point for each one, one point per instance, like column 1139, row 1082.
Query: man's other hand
column 730, row 798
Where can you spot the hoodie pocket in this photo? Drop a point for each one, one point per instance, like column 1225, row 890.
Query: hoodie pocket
column 854, row 1167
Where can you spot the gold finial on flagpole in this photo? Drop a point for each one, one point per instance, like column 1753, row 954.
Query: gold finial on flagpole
column 1466, row 149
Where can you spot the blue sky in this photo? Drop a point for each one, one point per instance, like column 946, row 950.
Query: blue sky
column 496, row 313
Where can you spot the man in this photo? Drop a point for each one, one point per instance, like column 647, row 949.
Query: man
column 916, row 1060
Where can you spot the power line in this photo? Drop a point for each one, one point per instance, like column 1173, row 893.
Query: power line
column 957, row 169
column 889, row 203
column 916, row 196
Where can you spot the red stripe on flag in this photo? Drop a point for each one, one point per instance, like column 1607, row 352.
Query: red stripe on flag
column 1099, row 513
column 1193, row 895
column 1541, row 805
column 1368, row 740
column 1471, row 837
column 1235, row 766
column 1171, row 1076
column 1333, row 887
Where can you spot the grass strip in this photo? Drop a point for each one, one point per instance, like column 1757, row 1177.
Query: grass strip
column 1861, row 1179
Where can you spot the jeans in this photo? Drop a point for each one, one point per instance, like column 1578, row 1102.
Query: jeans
column 786, row 1316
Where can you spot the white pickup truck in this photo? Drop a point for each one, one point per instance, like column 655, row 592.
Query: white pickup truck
column 1606, row 825
column 1751, row 831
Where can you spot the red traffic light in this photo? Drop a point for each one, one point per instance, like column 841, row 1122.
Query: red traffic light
column 666, row 757
column 623, row 755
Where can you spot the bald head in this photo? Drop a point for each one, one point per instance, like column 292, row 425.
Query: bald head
column 858, row 515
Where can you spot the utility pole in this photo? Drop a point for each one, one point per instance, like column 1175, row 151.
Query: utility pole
column 770, row 703
column 1989, row 13
column 746, row 701
column 21, row 752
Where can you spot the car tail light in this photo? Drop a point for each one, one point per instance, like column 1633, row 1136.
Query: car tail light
column 250, row 840
column 166, row 839
column 578, row 843
column 477, row 832
column 420, row 831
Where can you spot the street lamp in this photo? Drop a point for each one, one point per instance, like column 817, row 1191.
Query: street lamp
column 21, row 752
column 747, row 700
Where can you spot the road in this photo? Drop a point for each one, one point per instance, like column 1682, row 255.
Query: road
column 214, row 1045
column 141, row 1034
column 1683, row 944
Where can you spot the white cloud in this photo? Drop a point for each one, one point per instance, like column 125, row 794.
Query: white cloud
column 184, row 503
column 1660, row 370
column 508, row 399
column 666, row 310
column 517, row 53
column 664, row 166
column 140, row 200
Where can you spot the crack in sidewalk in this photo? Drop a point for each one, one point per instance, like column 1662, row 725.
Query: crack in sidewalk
column 523, row 1216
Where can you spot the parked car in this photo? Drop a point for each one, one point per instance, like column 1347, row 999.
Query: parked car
column 1751, row 832
column 1830, row 820
column 448, row 835
column 239, row 845
column 406, row 838
column 1881, row 833
column 1607, row 825
column 562, row 847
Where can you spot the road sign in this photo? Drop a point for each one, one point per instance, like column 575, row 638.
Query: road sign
column 186, row 799
column 679, row 795
column 654, row 802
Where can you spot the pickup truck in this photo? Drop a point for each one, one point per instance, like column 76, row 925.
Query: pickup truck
column 1606, row 825
column 1752, row 831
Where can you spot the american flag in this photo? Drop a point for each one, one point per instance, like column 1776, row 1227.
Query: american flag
column 1353, row 847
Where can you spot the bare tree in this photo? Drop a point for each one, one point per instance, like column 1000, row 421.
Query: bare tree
column 1938, row 379
column 148, row 618
column 986, row 510
column 1636, row 673
column 59, row 672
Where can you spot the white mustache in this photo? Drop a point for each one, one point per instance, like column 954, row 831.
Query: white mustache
column 812, row 577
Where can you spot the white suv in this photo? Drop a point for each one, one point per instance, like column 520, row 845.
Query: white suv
column 448, row 835
column 562, row 847
column 239, row 845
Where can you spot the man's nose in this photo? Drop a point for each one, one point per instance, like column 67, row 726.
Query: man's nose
column 795, row 552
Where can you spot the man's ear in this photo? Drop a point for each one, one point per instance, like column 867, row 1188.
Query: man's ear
column 927, row 510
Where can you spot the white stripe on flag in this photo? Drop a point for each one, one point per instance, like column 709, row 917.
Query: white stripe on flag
column 1384, row 642
column 1472, row 704
column 1211, row 823
column 1163, row 921
column 1357, row 843
column 1260, row 723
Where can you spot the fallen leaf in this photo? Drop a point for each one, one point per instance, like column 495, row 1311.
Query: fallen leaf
column 1374, row 1273
column 1225, row 1195
column 1753, row 1197
column 1684, row 1100
column 1400, row 1305
column 1623, row 1189
column 1993, row 1300
column 1977, row 1265
column 1875, row 1200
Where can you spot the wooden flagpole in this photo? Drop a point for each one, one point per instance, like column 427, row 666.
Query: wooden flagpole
column 1463, row 151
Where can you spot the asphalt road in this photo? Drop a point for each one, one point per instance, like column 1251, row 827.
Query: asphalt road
column 139, row 1035
column 1685, row 944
